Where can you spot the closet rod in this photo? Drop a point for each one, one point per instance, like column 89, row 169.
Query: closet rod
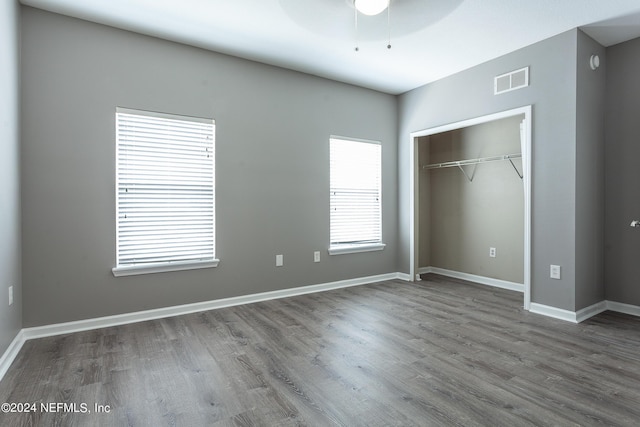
column 472, row 161
column 459, row 164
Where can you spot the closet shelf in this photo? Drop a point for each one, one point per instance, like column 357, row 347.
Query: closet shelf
column 460, row 163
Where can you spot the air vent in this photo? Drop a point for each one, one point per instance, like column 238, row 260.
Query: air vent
column 511, row 81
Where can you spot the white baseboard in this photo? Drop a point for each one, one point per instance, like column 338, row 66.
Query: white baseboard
column 585, row 313
column 497, row 283
column 11, row 353
column 159, row 313
column 403, row 276
column 592, row 310
column 619, row 307
column 556, row 313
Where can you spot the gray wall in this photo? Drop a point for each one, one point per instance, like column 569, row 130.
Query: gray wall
column 553, row 94
column 622, row 152
column 10, row 269
column 590, row 104
column 463, row 219
column 272, row 130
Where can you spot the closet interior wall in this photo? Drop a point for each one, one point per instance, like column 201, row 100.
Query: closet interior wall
column 459, row 219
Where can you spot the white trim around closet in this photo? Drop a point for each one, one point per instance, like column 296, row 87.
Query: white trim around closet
column 414, row 171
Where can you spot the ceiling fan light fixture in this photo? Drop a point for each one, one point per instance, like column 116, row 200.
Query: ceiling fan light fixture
column 371, row 7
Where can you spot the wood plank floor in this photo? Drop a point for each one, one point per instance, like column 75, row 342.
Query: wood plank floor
column 440, row 352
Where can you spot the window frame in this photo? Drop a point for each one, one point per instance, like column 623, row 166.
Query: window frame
column 129, row 269
column 363, row 246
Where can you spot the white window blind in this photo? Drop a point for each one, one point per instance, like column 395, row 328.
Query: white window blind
column 355, row 192
column 165, row 189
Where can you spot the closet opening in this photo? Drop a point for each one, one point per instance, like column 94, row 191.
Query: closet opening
column 471, row 201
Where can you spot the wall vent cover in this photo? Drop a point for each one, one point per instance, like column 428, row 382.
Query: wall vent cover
column 511, row 81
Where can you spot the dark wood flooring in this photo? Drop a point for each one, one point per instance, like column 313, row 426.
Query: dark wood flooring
column 439, row 352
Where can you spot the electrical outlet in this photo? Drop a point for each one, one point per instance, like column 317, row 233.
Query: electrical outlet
column 554, row 272
column 10, row 295
column 279, row 260
column 492, row 252
column 316, row 256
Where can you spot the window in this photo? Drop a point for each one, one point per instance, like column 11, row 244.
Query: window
column 165, row 183
column 355, row 196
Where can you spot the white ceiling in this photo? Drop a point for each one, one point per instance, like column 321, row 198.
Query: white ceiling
column 430, row 39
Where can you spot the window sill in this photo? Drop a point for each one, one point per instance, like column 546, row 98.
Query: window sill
column 356, row 248
column 132, row 270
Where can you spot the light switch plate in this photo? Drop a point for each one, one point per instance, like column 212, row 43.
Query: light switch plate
column 554, row 272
